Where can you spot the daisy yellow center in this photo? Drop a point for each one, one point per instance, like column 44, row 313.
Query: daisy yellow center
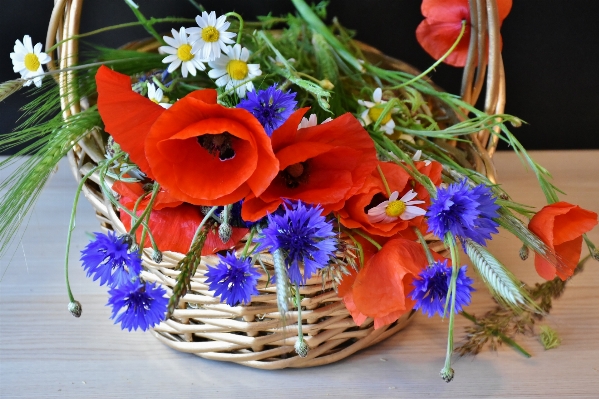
column 375, row 112
column 237, row 69
column 31, row 62
column 210, row 34
column 155, row 101
column 184, row 52
column 395, row 208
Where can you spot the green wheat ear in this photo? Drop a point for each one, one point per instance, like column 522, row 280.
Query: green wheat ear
column 502, row 284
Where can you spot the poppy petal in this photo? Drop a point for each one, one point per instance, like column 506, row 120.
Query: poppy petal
column 382, row 286
column 127, row 115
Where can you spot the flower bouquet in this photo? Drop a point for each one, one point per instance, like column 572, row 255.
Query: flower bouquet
column 285, row 197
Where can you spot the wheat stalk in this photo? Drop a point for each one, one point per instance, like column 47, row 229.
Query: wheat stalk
column 10, row 86
column 502, row 284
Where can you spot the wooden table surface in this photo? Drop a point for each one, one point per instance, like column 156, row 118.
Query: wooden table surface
column 46, row 352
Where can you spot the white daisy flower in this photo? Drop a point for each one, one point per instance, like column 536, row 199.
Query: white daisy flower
column 211, row 37
column 28, row 60
column 181, row 54
column 233, row 71
column 388, row 211
column 155, row 94
column 312, row 121
column 375, row 109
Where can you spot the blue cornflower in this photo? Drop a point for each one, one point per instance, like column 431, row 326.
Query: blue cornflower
column 304, row 235
column 466, row 212
column 430, row 290
column 233, row 279
column 271, row 107
column 142, row 304
column 106, row 259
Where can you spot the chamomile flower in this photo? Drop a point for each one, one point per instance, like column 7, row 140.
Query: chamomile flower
column 375, row 109
column 180, row 53
column 232, row 70
column 392, row 209
column 28, row 60
column 155, row 94
column 211, row 37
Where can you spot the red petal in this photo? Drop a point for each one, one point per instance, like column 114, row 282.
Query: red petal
column 214, row 244
column 127, row 116
column 193, row 175
column 436, row 38
column 446, row 10
column 382, row 286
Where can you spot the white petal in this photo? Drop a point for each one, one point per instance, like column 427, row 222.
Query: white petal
column 27, row 44
column 44, row 58
column 184, row 69
column 190, row 67
column 377, row 95
column 216, row 73
column 167, row 50
column 37, row 48
column 245, row 54
column 170, row 58
column 222, row 81
column 417, row 155
column 393, row 197
column 171, row 42
column 411, row 212
column 409, row 196
column 174, row 65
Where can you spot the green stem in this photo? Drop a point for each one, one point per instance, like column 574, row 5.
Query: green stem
column 367, row 238
column 248, row 242
column 298, row 301
column 72, row 227
column 451, row 293
column 146, row 211
column 499, row 334
column 143, row 21
column 427, row 250
column 439, row 61
column 202, row 223
column 240, row 18
column 152, row 21
column 378, row 168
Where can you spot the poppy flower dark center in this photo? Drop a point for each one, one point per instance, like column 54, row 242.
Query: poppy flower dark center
column 295, row 174
column 220, row 145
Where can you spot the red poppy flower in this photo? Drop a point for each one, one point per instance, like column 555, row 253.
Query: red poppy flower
column 199, row 151
column 355, row 212
column 380, row 290
column 324, row 164
column 172, row 222
column 561, row 226
column 442, row 26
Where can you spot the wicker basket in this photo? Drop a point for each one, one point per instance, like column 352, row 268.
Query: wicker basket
column 254, row 335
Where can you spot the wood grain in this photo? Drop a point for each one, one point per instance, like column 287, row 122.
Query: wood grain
column 45, row 352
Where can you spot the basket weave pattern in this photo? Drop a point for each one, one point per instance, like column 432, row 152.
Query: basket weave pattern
column 255, row 335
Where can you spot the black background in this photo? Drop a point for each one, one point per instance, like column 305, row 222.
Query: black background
column 550, row 52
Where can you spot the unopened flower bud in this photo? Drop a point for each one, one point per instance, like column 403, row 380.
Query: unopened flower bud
column 524, row 252
column 224, row 232
column 75, row 308
column 595, row 254
column 327, row 84
column 126, row 239
column 157, row 256
column 447, row 374
column 301, row 348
